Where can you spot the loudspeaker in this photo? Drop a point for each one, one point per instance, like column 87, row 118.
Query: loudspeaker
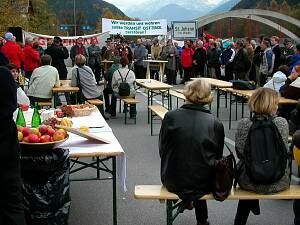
column 17, row 32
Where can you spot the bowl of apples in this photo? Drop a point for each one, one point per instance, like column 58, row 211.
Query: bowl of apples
column 45, row 137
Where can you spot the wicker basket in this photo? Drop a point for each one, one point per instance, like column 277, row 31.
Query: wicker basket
column 78, row 110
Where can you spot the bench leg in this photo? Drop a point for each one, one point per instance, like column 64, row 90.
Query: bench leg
column 151, row 123
column 169, row 205
column 230, row 99
column 126, row 110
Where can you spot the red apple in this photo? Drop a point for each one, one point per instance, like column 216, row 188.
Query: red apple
column 43, row 129
column 26, row 131
column 58, row 135
column 33, row 138
column 50, row 131
column 26, row 139
column 45, row 138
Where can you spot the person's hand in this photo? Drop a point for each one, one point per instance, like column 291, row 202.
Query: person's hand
column 293, row 76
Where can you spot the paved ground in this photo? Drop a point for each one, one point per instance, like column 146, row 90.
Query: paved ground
column 92, row 203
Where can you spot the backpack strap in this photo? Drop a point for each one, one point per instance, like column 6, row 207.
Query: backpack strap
column 127, row 74
column 121, row 76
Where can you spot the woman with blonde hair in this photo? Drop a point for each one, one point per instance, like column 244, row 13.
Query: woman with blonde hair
column 263, row 104
column 190, row 142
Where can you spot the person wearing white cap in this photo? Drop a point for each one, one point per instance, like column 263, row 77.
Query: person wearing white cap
column 12, row 51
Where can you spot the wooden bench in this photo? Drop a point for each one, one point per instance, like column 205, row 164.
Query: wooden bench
column 159, row 192
column 127, row 102
column 156, row 110
column 96, row 102
column 45, row 104
column 177, row 95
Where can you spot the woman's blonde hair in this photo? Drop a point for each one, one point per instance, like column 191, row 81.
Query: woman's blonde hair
column 264, row 101
column 80, row 60
column 198, row 92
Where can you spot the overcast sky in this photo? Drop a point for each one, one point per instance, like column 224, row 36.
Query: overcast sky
column 124, row 4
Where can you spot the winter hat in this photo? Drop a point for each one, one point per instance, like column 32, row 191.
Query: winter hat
column 8, row 36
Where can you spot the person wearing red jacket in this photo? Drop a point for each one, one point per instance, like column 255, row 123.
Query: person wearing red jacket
column 31, row 58
column 12, row 51
column 187, row 61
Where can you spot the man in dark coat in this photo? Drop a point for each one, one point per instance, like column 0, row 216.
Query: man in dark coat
column 241, row 62
column 277, row 52
column 58, row 54
column 11, row 205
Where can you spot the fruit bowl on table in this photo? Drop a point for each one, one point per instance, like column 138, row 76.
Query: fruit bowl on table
column 42, row 146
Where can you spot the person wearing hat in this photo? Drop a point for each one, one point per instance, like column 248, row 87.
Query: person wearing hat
column 296, row 152
column 12, row 51
column 58, row 54
column 31, row 58
column 105, row 47
column 226, row 59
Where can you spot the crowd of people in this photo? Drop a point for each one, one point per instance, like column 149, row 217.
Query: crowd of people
column 269, row 65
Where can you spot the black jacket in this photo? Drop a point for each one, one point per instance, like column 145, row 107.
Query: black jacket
column 289, row 91
column 277, row 62
column 190, row 141
column 241, row 62
column 58, row 54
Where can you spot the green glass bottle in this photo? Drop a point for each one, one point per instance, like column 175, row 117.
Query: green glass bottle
column 36, row 119
column 20, row 122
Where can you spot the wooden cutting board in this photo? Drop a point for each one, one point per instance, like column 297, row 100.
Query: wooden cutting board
column 85, row 135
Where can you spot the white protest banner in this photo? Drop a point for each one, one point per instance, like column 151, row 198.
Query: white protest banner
column 184, row 29
column 69, row 41
column 136, row 28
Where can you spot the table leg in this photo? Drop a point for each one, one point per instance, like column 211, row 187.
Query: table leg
column 230, row 99
column 218, row 101
column 161, row 71
column 148, row 103
column 98, row 165
column 148, row 71
column 114, row 174
column 243, row 108
column 236, row 106
column 169, row 100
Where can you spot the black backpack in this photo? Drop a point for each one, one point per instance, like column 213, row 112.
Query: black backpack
column 265, row 152
column 124, row 88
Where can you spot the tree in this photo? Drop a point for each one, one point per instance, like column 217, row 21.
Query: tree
column 42, row 20
column 13, row 13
